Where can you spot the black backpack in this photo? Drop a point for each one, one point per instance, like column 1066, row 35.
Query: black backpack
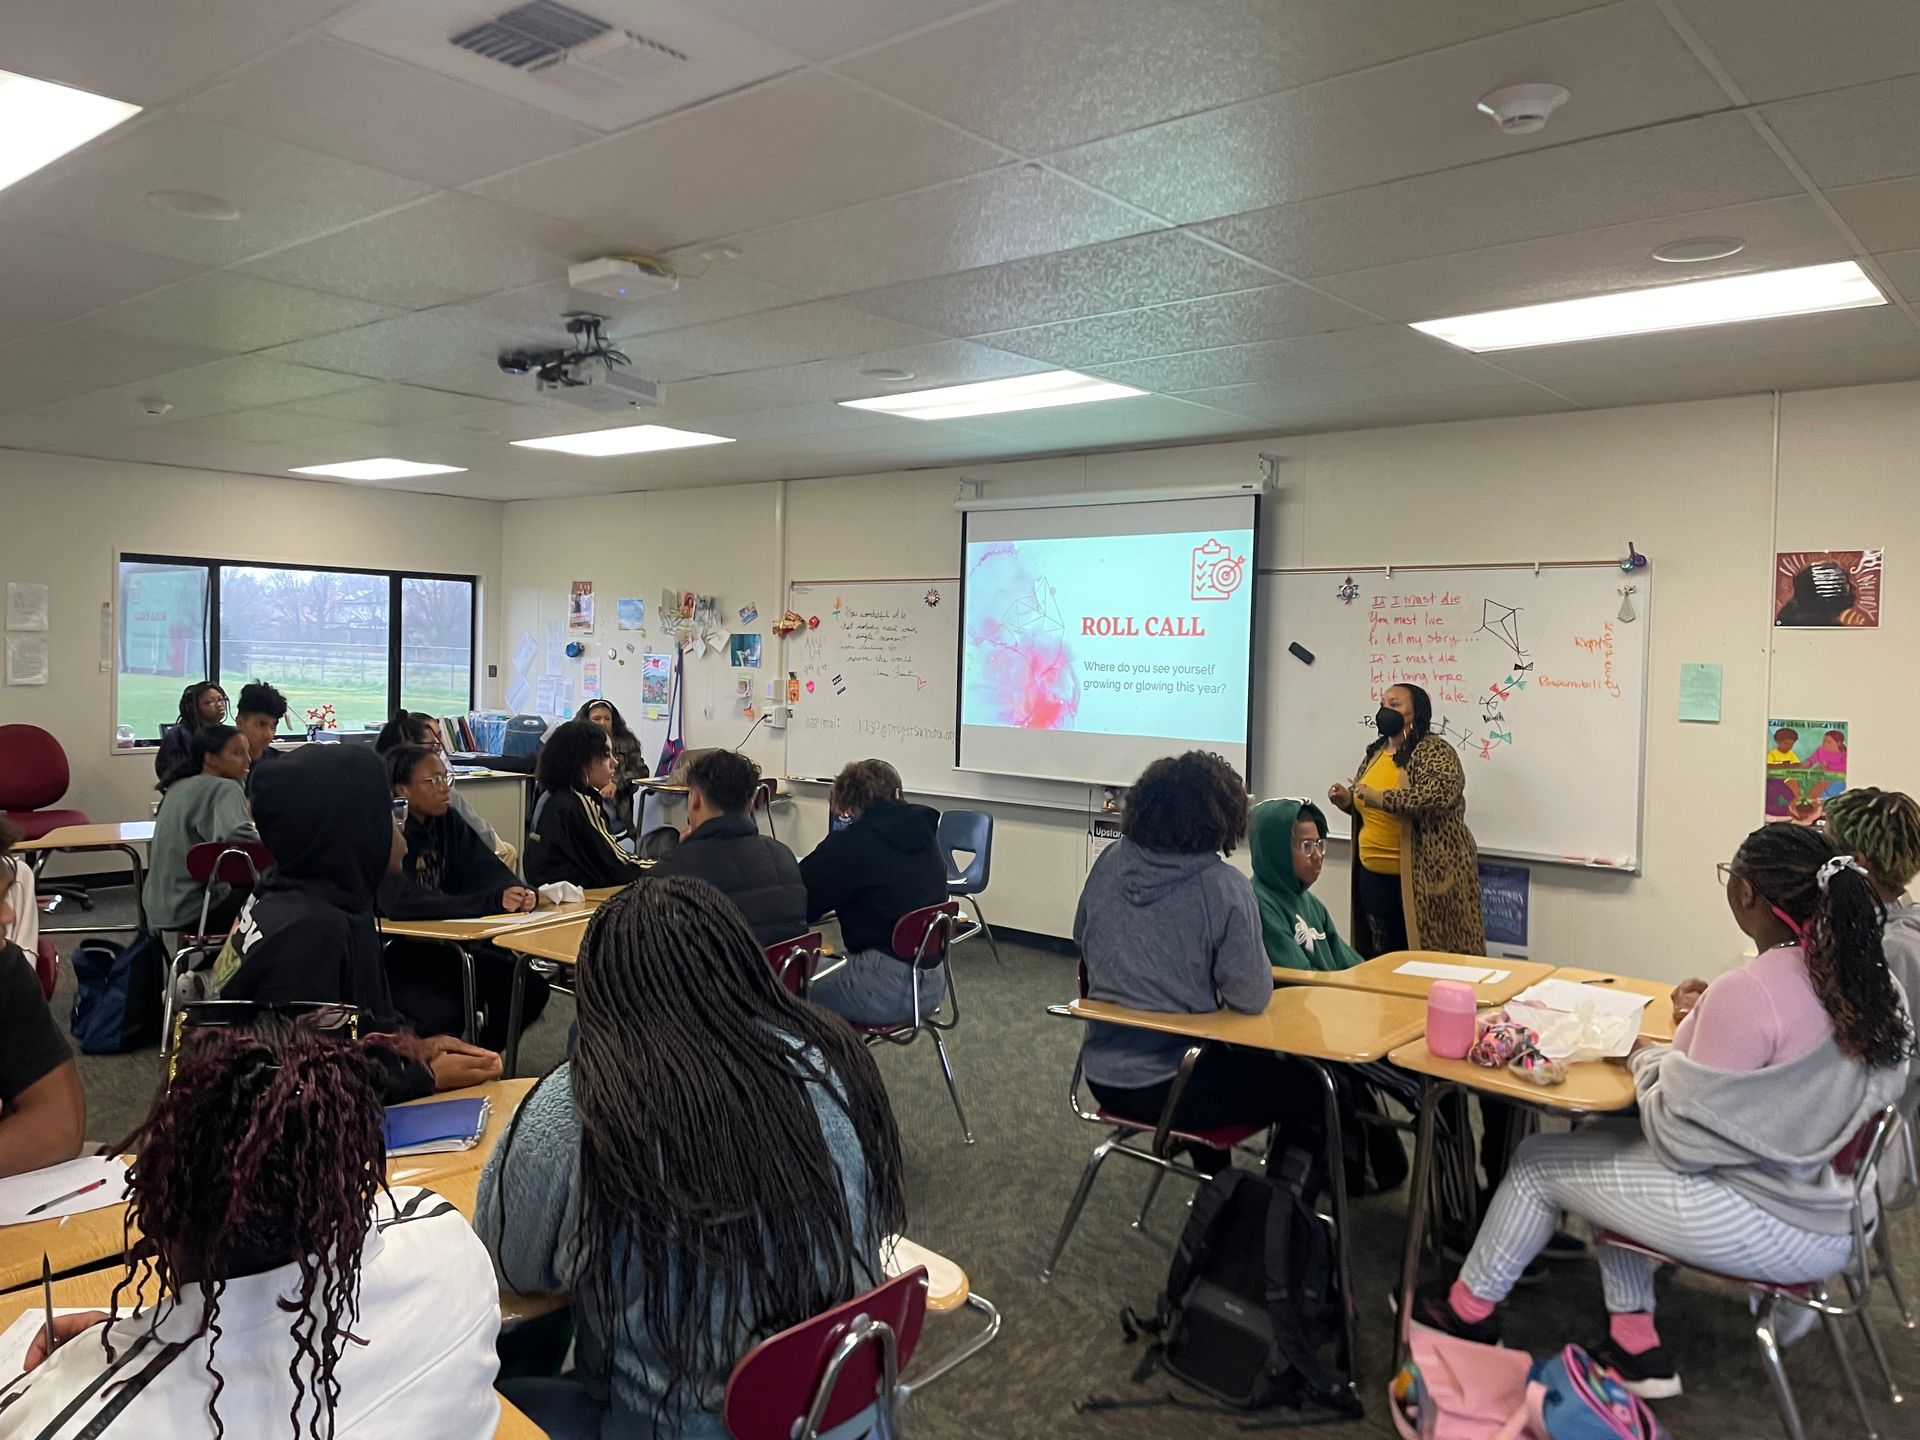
column 117, row 994
column 1251, row 1312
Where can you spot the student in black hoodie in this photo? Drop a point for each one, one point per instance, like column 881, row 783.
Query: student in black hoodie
column 725, row 848
column 568, row 838
column 883, row 865
column 448, row 874
column 309, row 932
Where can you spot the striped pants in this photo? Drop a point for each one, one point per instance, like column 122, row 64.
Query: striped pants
column 1607, row 1174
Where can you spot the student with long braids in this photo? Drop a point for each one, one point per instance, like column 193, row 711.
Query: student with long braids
column 202, row 703
column 716, row 1163
column 289, row 1292
column 1729, row 1165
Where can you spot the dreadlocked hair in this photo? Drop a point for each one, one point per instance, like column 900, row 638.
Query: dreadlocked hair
column 708, row 1190
column 265, row 1151
column 1840, row 931
column 1883, row 826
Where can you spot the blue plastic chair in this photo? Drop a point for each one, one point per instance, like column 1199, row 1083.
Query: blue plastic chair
column 968, row 832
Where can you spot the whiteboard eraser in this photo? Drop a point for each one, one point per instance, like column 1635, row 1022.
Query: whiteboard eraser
column 1300, row 653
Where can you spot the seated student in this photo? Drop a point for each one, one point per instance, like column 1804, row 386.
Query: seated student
column 201, row 704
column 1287, row 840
column 717, row 1162
column 723, row 846
column 629, row 765
column 309, row 932
column 568, row 838
column 883, row 865
column 448, row 875
column 1164, row 923
column 257, row 716
column 302, row 1296
column 1729, row 1165
column 416, row 727
column 43, row 1109
column 204, row 799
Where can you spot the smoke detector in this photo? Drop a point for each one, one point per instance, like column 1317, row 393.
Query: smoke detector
column 623, row 277
column 1523, row 109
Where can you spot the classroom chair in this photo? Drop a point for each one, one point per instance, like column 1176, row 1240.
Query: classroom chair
column 230, row 862
column 829, row 1371
column 763, row 798
column 970, row 833
column 1899, row 1190
column 795, row 960
column 924, row 939
column 33, row 777
column 1859, row 1161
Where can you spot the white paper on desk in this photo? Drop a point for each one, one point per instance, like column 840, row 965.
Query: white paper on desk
column 20, row 1193
column 18, row 1337
column 1570, row 995
column 1437, row 970
column 520, row 918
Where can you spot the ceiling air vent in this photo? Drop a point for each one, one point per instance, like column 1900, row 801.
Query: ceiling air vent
column 568, row 48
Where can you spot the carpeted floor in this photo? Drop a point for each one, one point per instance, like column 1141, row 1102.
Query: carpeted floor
column 995, row 1206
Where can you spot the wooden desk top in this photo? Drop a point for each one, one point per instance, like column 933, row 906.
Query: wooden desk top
column 1378, row 975
column 436, row 1172
column 70, row 1243
column 1592, row 1087
column 1656, row 1021
column 559, row 942
column 1342, row 1025
column 91, row 837
column 947, row 1287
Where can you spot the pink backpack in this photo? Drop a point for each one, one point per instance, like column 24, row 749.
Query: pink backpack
column 1456, row 1389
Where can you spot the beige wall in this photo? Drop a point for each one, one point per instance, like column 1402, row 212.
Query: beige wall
column 63, row 521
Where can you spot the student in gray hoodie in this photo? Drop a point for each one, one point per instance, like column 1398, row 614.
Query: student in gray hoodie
column 1164, row 923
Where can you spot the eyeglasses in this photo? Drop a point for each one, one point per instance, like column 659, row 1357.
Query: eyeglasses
column 342, row 1021
column 441, row 781
column 399, row 810
column 1311, row 847
column 1725, row 871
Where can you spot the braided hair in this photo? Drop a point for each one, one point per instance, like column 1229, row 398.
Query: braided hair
column 190, row 701
column 1883, row 826
column 1839, row 927
column 265, row 1151
column 708, row 1188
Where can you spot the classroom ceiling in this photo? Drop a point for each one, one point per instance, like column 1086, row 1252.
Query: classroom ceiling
column 1233, row 204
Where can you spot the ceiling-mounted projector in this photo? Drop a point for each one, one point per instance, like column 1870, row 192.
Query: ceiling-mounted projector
column 623, row 277
column 592, row 375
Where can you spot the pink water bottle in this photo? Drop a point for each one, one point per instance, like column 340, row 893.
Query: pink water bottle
column 1450, row 1012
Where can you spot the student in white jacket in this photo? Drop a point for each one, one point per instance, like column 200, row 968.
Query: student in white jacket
column 302, row 1298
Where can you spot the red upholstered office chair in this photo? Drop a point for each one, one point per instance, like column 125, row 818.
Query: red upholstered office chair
column 33, row 778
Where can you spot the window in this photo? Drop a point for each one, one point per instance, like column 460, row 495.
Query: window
column 365, row 642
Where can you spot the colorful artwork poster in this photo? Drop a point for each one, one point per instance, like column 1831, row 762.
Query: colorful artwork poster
column 1827, row 589
column 1806, row 767
column 580, row 606
column 633, row 613
column 746, row 650
column 656, row 679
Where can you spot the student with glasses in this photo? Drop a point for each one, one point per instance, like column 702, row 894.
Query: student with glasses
column 1288, row 843
column 416, row 727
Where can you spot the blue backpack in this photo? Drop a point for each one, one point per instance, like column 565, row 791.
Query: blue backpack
column 117, row 994
column 1584, row 1400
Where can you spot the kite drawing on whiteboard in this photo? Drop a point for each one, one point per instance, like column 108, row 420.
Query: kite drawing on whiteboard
column 1503, row 623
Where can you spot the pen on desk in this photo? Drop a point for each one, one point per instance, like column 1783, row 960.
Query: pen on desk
column 46, row 1296
column 1599, row 980
column 70, row 1195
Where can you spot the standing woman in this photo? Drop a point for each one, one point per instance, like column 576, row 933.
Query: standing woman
column 1416, row 876
column 201, row 704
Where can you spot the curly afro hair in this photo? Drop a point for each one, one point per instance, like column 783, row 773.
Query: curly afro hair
column 1189, row 804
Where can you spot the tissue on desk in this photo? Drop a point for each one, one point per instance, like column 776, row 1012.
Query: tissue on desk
column 1578, row 1023
column 562, row 892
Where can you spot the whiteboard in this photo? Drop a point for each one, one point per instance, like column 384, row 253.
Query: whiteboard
column 1536, row 678
column 878, row 677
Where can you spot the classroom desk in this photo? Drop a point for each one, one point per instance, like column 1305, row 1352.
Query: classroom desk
column 1322, row 1026
column 559, row 943
column 126, row 837
column 1593, row 1087
column 432, row 1170
column 1656, row 1021
column 95, row 1292
column 1378, row 975
column 70, row 1244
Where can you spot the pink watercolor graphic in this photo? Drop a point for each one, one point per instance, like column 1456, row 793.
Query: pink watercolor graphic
column 1021, row 669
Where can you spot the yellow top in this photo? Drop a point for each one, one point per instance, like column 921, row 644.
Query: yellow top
column 1379, row 830
column 1782, row 757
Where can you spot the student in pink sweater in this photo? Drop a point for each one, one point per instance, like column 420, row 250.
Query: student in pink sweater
column 1729, row 1163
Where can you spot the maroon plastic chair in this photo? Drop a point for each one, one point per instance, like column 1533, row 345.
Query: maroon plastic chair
column 924, row 938
column 795, row 960
column 33, row 778
column 825, row 1371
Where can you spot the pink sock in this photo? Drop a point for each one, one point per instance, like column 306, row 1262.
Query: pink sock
column 1467, row 1305
column 1633, row 1332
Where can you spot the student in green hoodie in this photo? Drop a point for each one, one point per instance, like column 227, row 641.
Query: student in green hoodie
column 1288, row 842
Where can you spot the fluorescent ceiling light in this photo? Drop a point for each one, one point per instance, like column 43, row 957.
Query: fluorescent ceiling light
column 386, row 468
column 40, row 122
column 1803, row 291
column 993, row 397
column 627, row 440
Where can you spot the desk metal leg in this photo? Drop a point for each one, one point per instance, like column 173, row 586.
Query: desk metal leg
column 139, row 870
column 516, row 1013
column 1432, row 1093
column 1342, row 1240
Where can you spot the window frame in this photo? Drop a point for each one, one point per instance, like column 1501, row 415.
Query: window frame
column 213, row 565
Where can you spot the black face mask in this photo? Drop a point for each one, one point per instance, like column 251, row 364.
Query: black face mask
column 1389, row 722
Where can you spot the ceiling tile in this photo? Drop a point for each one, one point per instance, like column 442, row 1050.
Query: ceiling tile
column 1778, row 233
column 45, row 279
column 815, row 331
column 341, row 100
column 822, row 29
column 1278, row 360
column 1275, row 400
column 412, row 346
column 235, row 313
column 146, row 447
column 1848, row 137
column 688, row 403
column 147, row 51
column 707, row 292
column 1145, row 269
column 818, row 419
column 1776, row 48
column 1005, row 214
column 798, row 146
column 1865, row 366
column 1492, row 402
column 1625, row 67
column 1885, row 216
column 238, row 383
column 949, row 362
column 392, row 405
column 451, row 247
column 1042, row 75
column 284, row 194
column 1675, row 169
column 251, row 427
column 74, row 359
column 1902, row 267
column 1137, row 421
column 1243, row 318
